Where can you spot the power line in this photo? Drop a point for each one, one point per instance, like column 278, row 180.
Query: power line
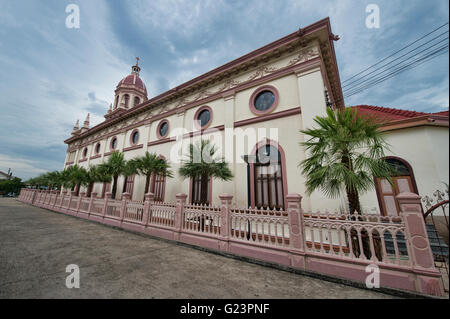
column 395, row 65
column 378, row 77
column 401, row 70
column 396, row 59
column 396, row 52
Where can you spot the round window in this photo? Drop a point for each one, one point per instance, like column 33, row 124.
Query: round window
column 135, row 137
column 97, row 148
column 264, row 100
column 163, row 129
column 114, row 143
column 204, row 117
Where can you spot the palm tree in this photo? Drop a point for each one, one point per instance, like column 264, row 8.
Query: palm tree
column 114, row 166
column 77, row 177
column 151, row 164
column 201, row 163
column 345, row 153
column 93, row 175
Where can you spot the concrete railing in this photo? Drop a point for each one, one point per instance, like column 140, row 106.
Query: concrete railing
column 332, row 244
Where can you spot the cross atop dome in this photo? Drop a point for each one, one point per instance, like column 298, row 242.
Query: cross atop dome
column 135, row 69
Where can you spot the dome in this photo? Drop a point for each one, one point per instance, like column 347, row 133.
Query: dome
column 132, row 81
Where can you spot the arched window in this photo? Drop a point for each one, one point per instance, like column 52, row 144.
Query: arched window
column 137, row 100
column 402, row 181
column 128, row 185
column 97, row 148
column 268, row 178
column 126, row 100
column 158, row 186
column 200, row 191
column 117, row 102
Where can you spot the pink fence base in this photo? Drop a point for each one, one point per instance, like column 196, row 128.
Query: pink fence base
column 220, row 229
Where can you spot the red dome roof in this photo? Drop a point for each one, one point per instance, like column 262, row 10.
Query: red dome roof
column 133, row 80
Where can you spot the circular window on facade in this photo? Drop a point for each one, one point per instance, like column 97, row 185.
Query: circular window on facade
column 203, row 117
column 97, row 148
column 134, row 137
column 114, row 143
column 264, row 100
column 163, row 129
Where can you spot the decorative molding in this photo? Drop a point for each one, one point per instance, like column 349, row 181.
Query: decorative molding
column 268, row 117
column 95, row 156
column 132, row 148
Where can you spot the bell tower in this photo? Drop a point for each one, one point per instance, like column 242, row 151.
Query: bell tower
column 130, row 92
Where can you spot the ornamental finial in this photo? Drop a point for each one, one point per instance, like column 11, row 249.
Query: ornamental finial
column 135, row 69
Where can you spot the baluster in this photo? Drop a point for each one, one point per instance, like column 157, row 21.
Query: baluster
column 397, row 255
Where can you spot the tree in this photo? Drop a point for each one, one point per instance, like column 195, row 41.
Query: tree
column 94, row 174
column 114, row 166
column 201, row 163
column 11, row 185
column 151, row 164
column 344, row 153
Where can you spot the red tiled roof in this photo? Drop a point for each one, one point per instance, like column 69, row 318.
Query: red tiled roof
column 444, row 113
column 386, row 114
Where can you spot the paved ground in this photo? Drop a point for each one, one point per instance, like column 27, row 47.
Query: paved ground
column 36, row 245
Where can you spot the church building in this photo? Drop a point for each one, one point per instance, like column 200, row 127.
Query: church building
column 275, row 91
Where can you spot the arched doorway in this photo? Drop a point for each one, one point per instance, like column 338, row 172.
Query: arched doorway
column 268, row 184
column 403, row 181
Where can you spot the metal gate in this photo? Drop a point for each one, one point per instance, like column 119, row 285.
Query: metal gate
column 436, row 219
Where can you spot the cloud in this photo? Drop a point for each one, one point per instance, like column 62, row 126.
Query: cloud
column 20, row 168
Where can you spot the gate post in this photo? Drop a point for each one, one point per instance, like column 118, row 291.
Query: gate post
column 80, row 198
column 33, row 197
column 108, row 196
column 296, row 230
column 428, row 278
column 179, row 215
column 225, row 210
column 91, row 202
column 146, row 217
column 123, row 208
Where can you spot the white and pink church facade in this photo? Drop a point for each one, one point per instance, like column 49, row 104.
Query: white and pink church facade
column 256, row 106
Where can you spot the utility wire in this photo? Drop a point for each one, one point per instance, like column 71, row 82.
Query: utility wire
column 396, row 59
column 407, row 46
column 405, row 68
column 375, row 75
column 377, row 78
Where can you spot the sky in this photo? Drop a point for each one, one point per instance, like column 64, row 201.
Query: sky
column 51, row 75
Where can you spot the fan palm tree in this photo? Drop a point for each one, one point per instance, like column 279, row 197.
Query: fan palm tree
column 114, row 167
column 94, row 174
column 78, row 176
column 150, row 164
column 201, row 163
column 344, row 153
